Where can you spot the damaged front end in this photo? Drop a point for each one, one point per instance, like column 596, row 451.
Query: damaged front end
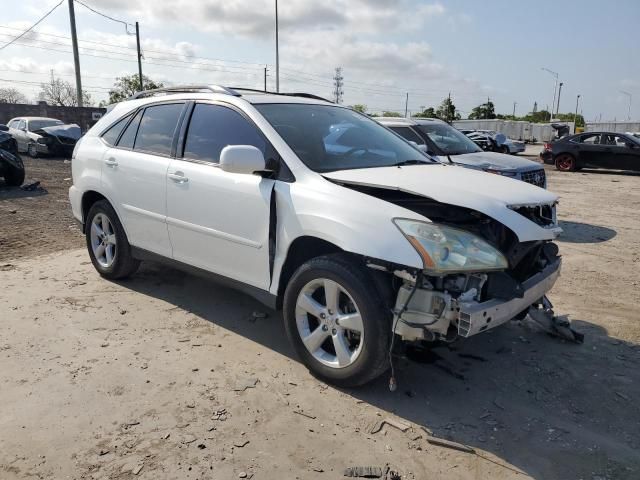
column 58, row 140
column 477, row 275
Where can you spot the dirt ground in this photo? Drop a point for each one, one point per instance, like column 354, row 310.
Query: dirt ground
column 169, row 376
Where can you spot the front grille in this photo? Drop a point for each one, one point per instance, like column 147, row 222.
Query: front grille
column 536, row 177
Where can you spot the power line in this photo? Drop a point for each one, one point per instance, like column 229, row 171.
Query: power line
column 106, row 16
column 32, row 26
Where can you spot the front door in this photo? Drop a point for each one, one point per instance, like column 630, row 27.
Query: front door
column 134, row 175
column 592, row 153
column 219, row 221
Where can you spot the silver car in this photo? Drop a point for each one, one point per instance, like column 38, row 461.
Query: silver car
column 23, row 130
column 508, row 145
column 441, row 140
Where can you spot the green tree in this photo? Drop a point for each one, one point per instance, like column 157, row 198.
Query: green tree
column 427, row 113
column 570, row 117
column 486, row 110
column 124, row 87
column 447, row 111
column 358, row 107
column 387, row 113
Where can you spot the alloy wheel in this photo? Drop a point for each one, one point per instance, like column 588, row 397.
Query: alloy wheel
column 329, row 323
column 103, row 240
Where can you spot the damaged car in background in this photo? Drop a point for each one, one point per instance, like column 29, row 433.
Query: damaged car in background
column 44, row 136
column 11, row 166
column 362, row 239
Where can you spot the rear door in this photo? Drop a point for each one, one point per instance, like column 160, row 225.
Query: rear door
column 591, row 153
column 134, row 174
column 219, row 221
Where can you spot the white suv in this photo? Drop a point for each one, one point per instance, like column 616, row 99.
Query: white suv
column 314, row 208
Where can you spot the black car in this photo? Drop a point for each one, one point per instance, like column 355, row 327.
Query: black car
column 11, row 166
column 618, row 151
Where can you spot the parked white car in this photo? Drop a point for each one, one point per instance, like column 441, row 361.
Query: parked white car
column 356, row 244
column 24, row 129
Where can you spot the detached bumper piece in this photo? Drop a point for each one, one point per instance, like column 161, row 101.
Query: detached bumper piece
column 475, row 317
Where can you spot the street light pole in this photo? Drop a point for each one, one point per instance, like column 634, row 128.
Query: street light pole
column 575, row 115
column 559, row 92
column 514, row 110
column 630, row 97
column 555, row 88
column 277, row 54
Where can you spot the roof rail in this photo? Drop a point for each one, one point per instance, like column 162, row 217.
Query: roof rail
column 184, row 89
column 294, row 94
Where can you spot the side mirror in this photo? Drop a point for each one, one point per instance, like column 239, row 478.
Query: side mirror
column 631, row 145
column 4, row 128
column 245, row 159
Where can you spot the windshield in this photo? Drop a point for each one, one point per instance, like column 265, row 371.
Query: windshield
column 449, row 140
column 36, row 124
column 328, row 138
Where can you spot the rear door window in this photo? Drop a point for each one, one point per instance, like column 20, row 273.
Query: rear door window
column 129, row 136
column 157, row 128
column 592, row 139
column 213, row 127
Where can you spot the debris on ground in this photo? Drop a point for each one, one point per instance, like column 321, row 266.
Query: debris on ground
column 31, row 186
column 441, row 442
column 243, row 385
column 363, row 472
column 304, row 414
column 403, row 427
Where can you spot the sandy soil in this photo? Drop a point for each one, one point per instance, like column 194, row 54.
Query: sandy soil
column 170, row 376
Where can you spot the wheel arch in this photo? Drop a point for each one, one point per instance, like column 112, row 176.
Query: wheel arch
column 301, row 250
column 92, row 196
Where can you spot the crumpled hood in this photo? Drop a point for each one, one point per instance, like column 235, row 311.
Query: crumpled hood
column 496, row 161
column 71, row 131
column 484, row 192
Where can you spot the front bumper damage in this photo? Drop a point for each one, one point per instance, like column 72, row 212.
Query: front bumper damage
column 427, row 314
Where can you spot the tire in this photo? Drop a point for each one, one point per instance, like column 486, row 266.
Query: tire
column 505, row 149
column 119, row 263
column 565, row 162
column 367, row 352
column 32, row 150
column 14, row 177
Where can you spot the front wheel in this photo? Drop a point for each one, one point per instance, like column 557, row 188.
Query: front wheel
column 337, row 322
column 107, row 243
column 32, row 150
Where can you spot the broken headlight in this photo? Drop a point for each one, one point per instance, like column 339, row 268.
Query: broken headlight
column 446, row 249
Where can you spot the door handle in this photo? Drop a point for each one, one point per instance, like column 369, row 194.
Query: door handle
column 178, row 177
column 111, row 162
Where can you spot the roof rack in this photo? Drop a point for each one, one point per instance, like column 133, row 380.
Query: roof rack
column 294, row 94
column 184, row 89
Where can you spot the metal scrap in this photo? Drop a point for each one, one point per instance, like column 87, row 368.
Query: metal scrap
column 363, row 472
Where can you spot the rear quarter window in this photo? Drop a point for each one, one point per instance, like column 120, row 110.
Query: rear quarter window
column 112, row 134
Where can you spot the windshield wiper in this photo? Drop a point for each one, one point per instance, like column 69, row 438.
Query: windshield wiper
column 410, row 162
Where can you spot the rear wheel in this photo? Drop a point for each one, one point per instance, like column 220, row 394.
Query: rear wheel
column 565, row 162
column 336, row 321
column 107, row 243
column 504, row 149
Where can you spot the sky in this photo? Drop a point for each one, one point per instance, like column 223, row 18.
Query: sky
column 472, row 49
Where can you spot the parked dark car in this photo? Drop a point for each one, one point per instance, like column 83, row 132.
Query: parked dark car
column 11, row 166
column 593, row 150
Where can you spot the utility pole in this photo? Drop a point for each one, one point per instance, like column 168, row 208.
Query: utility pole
column 277, row 54
column 76, row 55
column 630, row 97
column 265, row 78
column 139, row 57
column 338, row 83
column 555, row 88
column 406, row 105
column 559, row 92
column 575, row 115
column 514, row 110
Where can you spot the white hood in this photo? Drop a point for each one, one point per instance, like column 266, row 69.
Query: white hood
column 484, row 192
